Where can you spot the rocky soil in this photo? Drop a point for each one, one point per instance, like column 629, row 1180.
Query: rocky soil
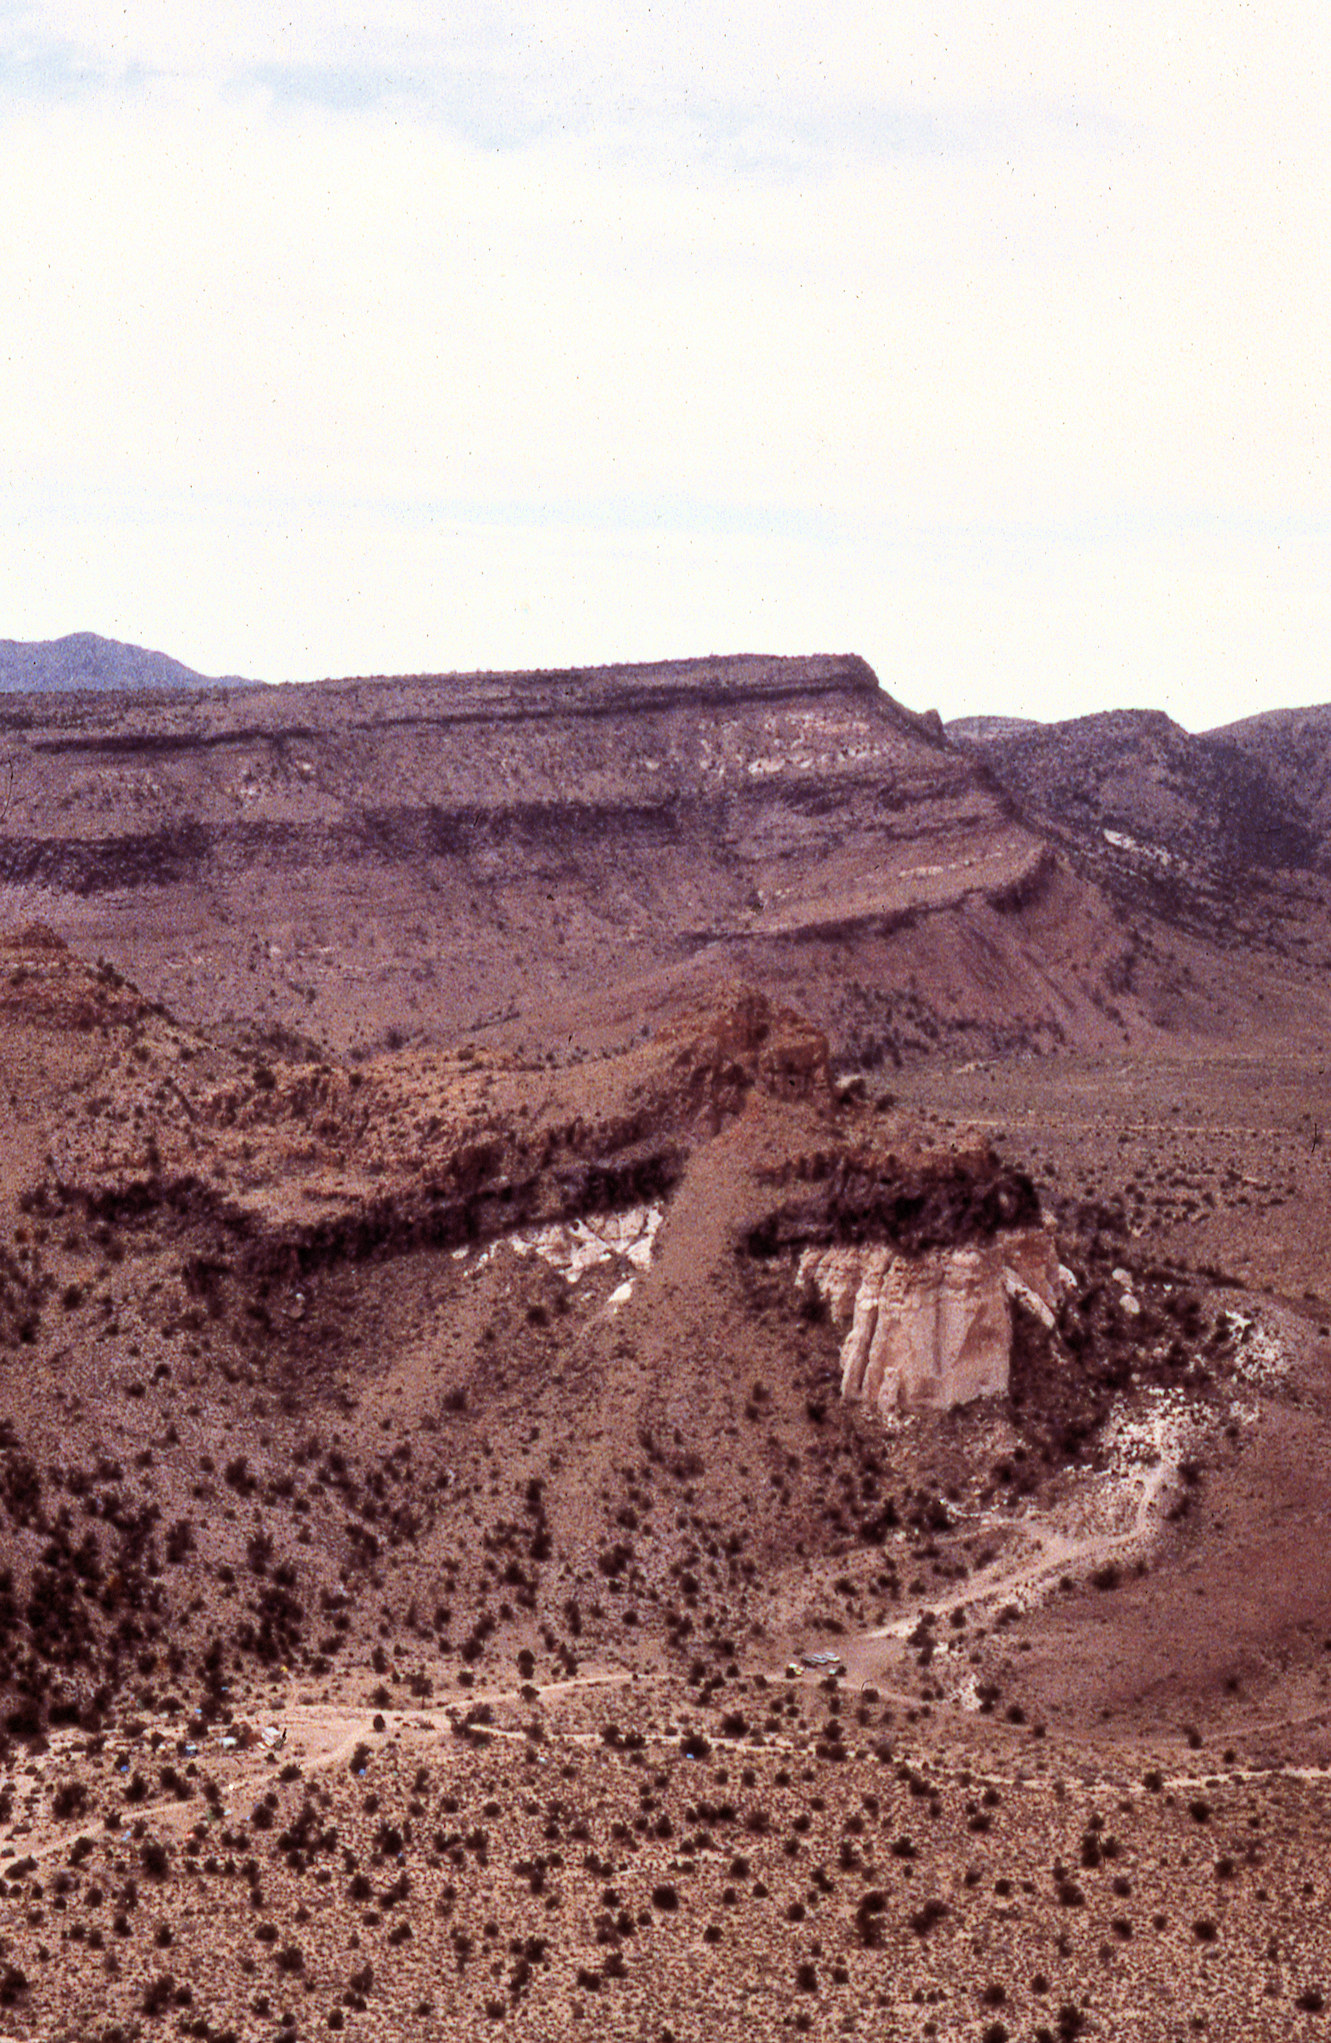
column 423, row 1478
column 443, row 1588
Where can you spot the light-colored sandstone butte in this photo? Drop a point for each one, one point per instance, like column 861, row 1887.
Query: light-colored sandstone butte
column 932, row 1331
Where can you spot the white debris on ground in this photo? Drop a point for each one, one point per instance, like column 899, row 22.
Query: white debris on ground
column 1146, row 1445
column 1259, row 1357
column 575, row 1246
column 1121, row 841
column 1108, row 1518
column 1126, row 1299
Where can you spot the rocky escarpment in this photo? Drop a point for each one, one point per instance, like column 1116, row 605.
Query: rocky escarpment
column 550, row 857
column 863, row 1197
column 932, row 1331
column 274, row 1171
column 277, row 1174
column 916, row 1260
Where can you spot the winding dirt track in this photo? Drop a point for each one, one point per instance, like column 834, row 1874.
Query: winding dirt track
column 324, row 1736
column 1049, row 1551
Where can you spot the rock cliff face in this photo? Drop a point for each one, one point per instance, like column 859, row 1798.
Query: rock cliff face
column 932, row 1331
column 549, row 857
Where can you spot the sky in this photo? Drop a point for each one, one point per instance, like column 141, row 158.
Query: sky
column 989, row 342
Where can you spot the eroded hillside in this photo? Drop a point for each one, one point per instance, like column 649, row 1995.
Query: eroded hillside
column 427, row 1486
column 1209, row 846
column 554, row 858
column 539, row 1284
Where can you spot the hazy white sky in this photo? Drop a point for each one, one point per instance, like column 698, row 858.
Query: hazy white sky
column 991, row 342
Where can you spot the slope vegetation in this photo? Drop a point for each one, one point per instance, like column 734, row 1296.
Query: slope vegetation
column 1208, row 846
column 422, row 1480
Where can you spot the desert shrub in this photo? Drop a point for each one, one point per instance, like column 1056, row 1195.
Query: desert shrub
column 69, row 1801
column 158, row 1995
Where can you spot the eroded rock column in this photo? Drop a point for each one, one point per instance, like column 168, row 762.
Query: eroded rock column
column 932, row 1331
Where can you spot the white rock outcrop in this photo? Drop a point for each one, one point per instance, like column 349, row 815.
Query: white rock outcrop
column 574, row 1246
column 931, row 1331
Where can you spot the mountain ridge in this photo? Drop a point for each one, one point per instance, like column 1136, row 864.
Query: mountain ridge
column 83, row 660
column 568, row 855
column 578, row 842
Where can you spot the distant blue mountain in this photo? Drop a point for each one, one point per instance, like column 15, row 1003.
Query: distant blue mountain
column 37, row 666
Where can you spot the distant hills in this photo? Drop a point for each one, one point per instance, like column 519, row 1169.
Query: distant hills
column 560, row 856
column 83, row 660
column 1217, row 839
column 1225, row 797
column 567, row 856
column 1254, row 795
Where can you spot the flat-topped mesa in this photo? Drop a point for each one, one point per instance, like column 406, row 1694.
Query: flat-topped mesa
column 226, row 712
column 717, row 678
column 548, row 858
column 918, row 1264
